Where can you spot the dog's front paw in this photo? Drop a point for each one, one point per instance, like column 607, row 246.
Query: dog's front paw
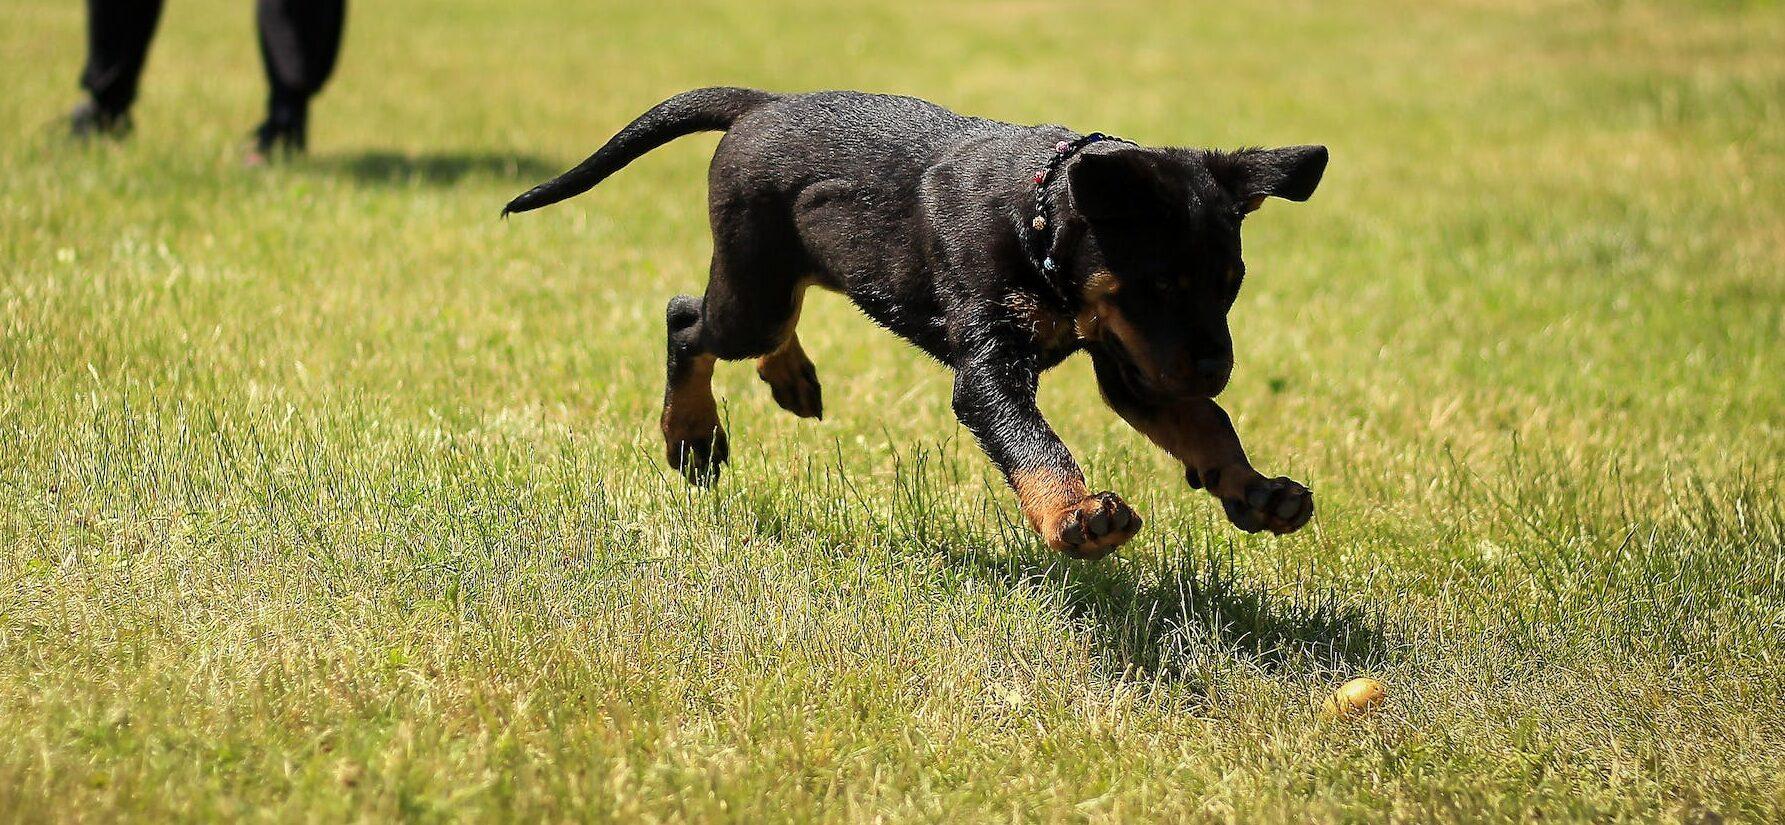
column 1092, row 528
column 1279, row 505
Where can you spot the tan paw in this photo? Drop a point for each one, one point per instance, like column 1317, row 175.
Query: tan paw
column 794, row 383
column 1092, row 528
column 698, row 452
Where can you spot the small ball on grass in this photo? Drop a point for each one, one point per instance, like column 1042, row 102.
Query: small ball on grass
column 1355, row 698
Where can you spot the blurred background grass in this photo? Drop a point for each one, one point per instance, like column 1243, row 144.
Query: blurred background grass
column 328, row 494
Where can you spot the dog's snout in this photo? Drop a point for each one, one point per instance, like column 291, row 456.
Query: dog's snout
column 1211, row 369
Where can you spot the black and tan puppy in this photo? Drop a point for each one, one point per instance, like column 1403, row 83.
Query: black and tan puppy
column 999, row 250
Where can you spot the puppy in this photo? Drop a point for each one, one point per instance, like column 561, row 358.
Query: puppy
column 999, row 250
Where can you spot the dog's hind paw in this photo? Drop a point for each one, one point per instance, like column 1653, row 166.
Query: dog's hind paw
column 793, row 381
column 699, row 457
column 1094, row 527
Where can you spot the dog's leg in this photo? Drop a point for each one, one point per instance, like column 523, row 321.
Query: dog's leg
column 1199, row 433
column 694, row 441
column 790, row 374
column 995, row 398
column 751, row 302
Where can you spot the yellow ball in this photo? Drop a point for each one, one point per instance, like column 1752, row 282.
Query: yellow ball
column 1356, row 697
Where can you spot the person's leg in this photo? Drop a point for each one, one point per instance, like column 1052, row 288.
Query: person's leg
column 118, row 35
column 299, row 41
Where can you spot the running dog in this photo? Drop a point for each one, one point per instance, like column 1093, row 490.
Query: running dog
column 999, row 250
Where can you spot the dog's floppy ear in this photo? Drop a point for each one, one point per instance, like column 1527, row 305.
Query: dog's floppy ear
column 1252, row 175
column 1118, row 186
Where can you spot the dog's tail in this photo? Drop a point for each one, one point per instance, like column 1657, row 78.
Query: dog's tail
column 700, row 110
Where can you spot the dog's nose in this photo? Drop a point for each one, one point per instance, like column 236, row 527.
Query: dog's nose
column 1211, row 368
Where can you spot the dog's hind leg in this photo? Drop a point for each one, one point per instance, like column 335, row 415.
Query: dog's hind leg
column 749, row 310
column 790, row 375
column 694, row 441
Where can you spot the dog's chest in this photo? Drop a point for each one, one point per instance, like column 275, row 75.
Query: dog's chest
column 1054, row 335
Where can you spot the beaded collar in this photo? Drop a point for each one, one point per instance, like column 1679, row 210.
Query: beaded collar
column 1039, row 239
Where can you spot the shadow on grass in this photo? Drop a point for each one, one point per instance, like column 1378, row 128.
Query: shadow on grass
column 1178, row 611
column 1184, row 612
column 1177, row 614
column 432, row 168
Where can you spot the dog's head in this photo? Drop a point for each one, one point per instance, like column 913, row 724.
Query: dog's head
column 1161, row 254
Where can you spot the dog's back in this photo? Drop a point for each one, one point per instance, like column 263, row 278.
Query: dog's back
column 782, row 142
column 801, row 139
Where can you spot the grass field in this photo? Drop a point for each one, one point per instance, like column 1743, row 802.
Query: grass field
column 326, row 495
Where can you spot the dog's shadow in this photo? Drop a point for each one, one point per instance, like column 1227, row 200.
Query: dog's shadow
column 1178, row 614
column 387, row 167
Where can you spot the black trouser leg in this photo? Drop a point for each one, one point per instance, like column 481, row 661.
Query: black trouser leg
column 299, row 41
column 118, row 34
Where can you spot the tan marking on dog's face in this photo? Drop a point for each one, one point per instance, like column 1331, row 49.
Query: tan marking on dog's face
column 1133, row 343
column 1102, row 318
column 1100, row 286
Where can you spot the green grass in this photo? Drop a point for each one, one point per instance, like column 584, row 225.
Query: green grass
column 325, row 495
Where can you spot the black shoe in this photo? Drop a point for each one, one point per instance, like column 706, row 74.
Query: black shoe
column 275, row 142
column 90, row 120
column 282, row 134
